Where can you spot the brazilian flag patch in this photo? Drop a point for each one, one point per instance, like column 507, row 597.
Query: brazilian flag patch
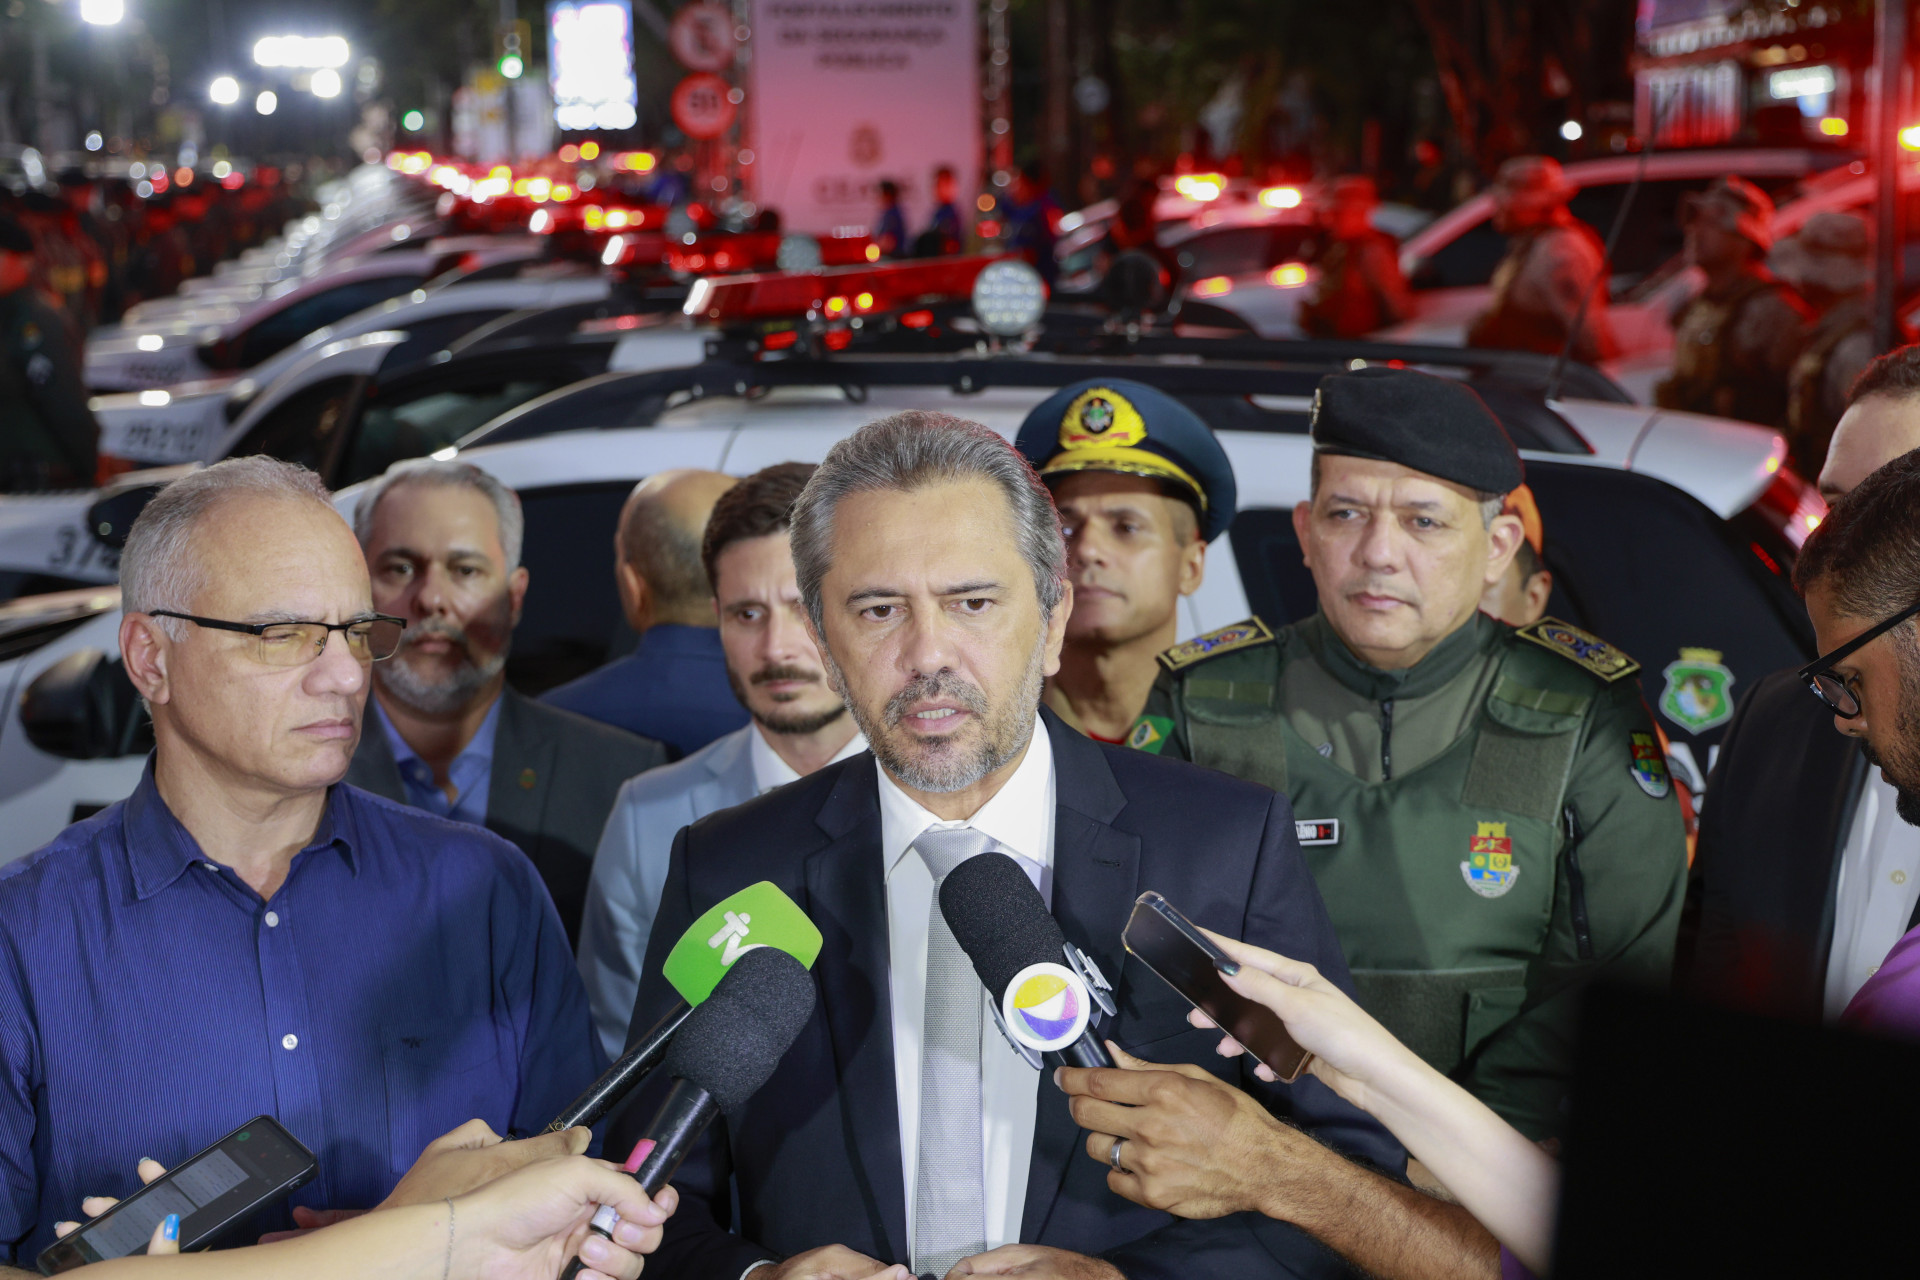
column 1149, row 733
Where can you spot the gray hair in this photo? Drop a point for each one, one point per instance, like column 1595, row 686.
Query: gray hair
column 912, row 450
column 447, row 475
column 158, row 568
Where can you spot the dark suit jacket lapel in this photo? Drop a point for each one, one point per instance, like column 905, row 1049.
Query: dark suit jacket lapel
column 373, row 767
column 1096, row 869
column 847, row 900
column 522, row 778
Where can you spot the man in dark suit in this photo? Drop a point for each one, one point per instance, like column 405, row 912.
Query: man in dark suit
column 444, row 732
column 939, row 633
column 1804, row 877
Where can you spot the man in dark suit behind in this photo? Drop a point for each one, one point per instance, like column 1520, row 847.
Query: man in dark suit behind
column 1804, row 877
column 444, row 732
column 932, row 568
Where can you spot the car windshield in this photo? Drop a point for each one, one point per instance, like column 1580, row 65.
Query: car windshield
column 1237, row 251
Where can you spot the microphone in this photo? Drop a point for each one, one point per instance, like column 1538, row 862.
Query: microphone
column 760, row 915
column 727, row 1048
column 1044, row 988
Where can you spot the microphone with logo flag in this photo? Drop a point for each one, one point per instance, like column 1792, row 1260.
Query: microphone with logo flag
column 1044, row 989
column 730, row 1044
column 760, row 915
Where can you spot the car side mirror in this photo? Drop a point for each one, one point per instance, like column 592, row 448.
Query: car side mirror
column 83, row 707
column 111, row 518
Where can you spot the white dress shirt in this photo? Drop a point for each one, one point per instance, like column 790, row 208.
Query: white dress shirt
column 1879, row 883
column 770, row 771
column 1020, row 817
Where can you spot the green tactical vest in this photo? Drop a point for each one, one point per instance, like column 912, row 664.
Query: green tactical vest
column 1441, row 882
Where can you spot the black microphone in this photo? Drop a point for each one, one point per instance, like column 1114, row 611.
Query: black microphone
column 1044, row 990
column 620, row 1079
column 724, row 1052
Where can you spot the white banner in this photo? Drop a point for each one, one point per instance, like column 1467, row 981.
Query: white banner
column 844, row 93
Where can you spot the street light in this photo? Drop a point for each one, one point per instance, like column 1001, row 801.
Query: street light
column 224, row 91
column 413, row 121
column 300, row 53
column 326, row 83
column 266, row 102
column 102, row 13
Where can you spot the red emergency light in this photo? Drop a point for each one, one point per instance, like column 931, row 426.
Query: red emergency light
column 835, row 293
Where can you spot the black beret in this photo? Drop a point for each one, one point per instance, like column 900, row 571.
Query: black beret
column 1114, row 424
column 1429, row 424
column 14, row 238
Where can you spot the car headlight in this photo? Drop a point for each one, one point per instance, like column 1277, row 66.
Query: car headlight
column 1008, row 298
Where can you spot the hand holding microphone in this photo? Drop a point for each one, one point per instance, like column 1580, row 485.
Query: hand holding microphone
column 724, row 1052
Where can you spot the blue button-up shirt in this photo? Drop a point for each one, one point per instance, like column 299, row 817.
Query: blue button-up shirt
column 471, row 771
column 673, row 689
column 410, row 975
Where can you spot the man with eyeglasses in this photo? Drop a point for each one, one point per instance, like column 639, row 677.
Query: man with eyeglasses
column 244, row 935
column 1804, row 874
column 1860, row 574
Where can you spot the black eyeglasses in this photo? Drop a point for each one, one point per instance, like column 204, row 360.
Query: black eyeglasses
column 1831, row 689
column 294, row 644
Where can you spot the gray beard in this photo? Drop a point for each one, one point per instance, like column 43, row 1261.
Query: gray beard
column 404, row 685
column 1006, row 734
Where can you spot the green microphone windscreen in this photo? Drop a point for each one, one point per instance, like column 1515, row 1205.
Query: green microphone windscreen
column 757, row 916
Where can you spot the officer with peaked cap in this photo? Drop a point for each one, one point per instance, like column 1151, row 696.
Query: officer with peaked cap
column 1734, row 344
column 1142, row 487
column 1486, row 809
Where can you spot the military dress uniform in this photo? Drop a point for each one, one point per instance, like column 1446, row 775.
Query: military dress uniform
column 1491, row 828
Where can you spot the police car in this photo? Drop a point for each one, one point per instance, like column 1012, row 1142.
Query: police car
column 1668, row 534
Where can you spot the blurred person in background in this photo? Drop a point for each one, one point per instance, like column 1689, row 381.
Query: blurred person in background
column 1519, row 599
column 1830, row 263
column 1032, row 219
column 890, row 228
column 799, row 725
column 1554, row 276
column 1359, row 288
column 445, row 731
column 48, row 436
column 1734, row 343
column 946, row 233
column 1805, row 874
column 673, row 686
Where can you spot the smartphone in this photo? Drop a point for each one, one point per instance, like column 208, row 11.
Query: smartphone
column 1169, row 944
column 258, row 1162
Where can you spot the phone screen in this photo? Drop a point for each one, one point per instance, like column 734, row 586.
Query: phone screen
column 1167, row 943
column 210, row 1190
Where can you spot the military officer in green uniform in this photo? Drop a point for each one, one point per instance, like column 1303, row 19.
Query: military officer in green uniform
column 1142, row 487
column 48, row 436
column 1486, row 809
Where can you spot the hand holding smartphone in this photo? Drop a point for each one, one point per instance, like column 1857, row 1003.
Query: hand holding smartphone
column 211, row 1191
column 1174, row 948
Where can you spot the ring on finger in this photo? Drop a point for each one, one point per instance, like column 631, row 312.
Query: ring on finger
column 1113, row 1156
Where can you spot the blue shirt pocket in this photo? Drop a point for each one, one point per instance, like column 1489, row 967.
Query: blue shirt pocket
column 442, row 1073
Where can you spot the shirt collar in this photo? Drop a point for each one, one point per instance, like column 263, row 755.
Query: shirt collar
column 1442, row 663
column 770, row 771
column 478, row 750
column 1019, row 815
column 160, row 849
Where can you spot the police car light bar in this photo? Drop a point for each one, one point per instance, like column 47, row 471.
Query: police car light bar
column 834, row 293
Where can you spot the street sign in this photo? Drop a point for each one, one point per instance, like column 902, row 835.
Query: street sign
column 701, row 106
column 702, row 37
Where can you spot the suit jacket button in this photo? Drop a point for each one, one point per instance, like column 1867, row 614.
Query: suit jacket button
column 526, row 779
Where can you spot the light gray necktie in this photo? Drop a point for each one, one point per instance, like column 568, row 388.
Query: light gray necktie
column 949, row 1206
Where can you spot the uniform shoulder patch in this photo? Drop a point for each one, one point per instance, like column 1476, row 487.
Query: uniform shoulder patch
column 1241, row 635
column 1582, row 648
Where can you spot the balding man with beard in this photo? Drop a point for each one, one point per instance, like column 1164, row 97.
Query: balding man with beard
column 445, row 733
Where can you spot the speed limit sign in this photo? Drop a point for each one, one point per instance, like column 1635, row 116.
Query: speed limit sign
column 701, row 106
column 702, row 37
